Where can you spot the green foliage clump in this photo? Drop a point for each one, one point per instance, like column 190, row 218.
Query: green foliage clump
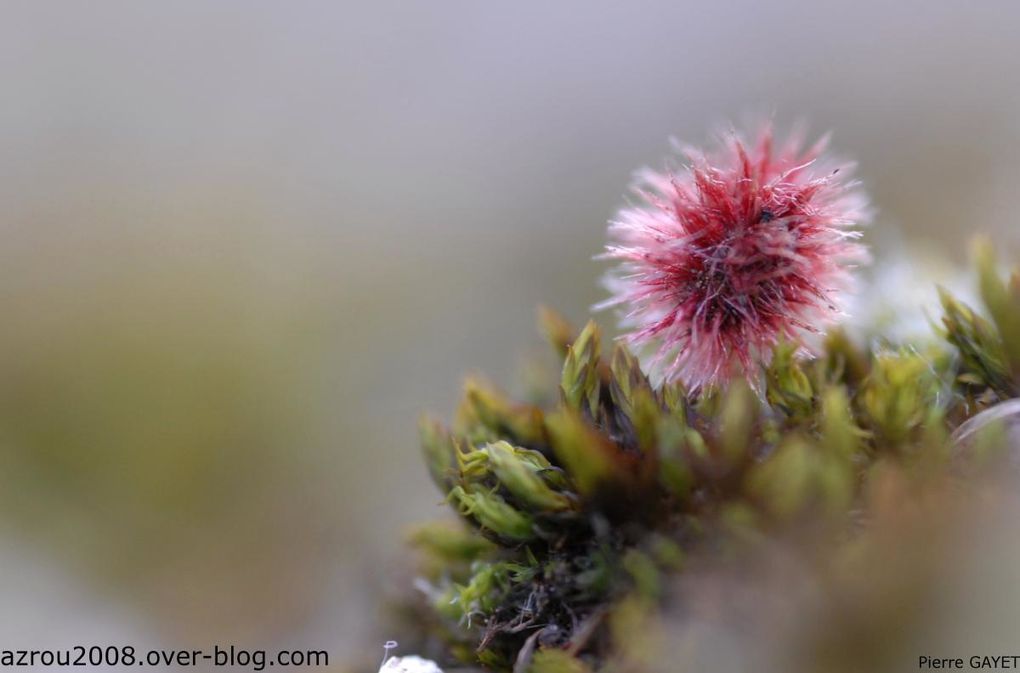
column 578, row 511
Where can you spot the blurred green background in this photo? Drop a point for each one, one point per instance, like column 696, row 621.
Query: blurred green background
column 244, row 244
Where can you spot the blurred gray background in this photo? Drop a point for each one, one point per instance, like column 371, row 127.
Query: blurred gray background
column 244, row 244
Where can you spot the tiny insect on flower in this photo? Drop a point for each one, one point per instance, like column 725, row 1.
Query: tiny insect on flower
column 745, row 247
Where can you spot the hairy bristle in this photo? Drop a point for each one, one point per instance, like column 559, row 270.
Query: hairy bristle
column 747, row 246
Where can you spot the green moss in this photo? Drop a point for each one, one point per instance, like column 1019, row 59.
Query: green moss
column 580, row 512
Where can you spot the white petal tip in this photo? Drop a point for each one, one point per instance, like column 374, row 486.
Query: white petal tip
column 409, row 664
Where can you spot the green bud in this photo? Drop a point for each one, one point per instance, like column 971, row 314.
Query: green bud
column 674, row 455
column 449, row 541
column 591, row 461
column 899, row 396
column 473, row 464
column 558, row 332
column 492, row 513
column 839, row 433
column 636, row 404
column 553, row 475
column 673, row 398
column 485, row 414
column 488, row 583
column 580, row 384
column 1003, row 302
column 737, row 420
column 788, row 387
column 439, row 450
column 982, row 355
column 627, row 379
column 521, row 477
column 843, row 362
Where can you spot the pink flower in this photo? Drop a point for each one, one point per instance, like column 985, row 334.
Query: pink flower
column 746, row 246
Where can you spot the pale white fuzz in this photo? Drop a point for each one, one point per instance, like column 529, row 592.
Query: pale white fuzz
column 409, row 664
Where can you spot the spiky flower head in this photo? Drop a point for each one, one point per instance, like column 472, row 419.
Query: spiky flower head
column 747, row 246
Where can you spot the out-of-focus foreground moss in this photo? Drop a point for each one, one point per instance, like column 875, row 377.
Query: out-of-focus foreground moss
column 616, row 525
